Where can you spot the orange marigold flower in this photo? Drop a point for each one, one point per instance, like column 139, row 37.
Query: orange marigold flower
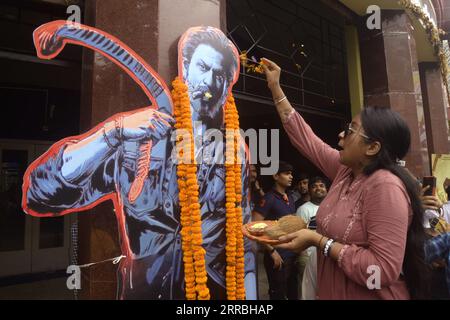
column 193, row 252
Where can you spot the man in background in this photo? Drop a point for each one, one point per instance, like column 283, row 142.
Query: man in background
column 308, row 259
column 256, row 192
column 280, row 264
column 301, row 194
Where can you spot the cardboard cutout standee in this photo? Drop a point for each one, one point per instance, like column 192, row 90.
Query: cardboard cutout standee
column 129, row 160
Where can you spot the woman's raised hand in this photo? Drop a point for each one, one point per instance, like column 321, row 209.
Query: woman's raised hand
column 272, row 72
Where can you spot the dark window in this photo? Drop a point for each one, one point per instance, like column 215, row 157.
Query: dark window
column 305, row 39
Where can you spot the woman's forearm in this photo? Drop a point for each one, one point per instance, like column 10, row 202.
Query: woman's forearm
column 319, row 241
column 283, row 105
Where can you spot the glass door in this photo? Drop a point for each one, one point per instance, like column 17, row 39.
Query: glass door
column 27, row 244
column 15, row 225
column 51, row 238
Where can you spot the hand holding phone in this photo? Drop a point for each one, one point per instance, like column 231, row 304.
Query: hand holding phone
column 429, row 182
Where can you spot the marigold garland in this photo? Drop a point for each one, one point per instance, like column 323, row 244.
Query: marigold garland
column 195, row 274
column 233, row 193
column 193, row 252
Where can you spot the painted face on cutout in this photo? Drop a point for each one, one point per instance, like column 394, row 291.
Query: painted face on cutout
column 206, row 79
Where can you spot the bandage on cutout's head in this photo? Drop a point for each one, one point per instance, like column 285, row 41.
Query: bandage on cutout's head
column 209, row 64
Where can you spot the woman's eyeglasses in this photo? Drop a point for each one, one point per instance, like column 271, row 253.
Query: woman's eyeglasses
column 349, row 130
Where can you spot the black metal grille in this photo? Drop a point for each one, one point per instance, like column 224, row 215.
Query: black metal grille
column 307, row 44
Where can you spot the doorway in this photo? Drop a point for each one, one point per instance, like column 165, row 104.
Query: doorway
column 27, row 244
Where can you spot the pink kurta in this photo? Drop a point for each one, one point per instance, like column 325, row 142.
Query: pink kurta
column 369, row 215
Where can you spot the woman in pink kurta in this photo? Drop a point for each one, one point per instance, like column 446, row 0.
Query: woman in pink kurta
column 369, row 235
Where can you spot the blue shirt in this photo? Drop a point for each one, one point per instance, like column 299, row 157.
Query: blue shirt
column 439, row 248
column 274, row 206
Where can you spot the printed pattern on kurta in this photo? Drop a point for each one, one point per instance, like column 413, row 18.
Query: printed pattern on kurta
column 370, row 215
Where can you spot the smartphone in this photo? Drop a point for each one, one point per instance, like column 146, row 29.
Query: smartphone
column 429, row 181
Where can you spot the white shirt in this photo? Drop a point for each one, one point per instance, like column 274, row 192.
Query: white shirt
column 430, row 214
column 446, row 211
column 309, row 280
column 307, row 211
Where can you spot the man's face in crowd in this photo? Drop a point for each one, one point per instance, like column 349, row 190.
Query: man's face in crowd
column 284, row 179
column 318, row 191
column 253, row 173
column 206, row 79
column 303, row 186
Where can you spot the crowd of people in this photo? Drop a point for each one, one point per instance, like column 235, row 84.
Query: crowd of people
column 367, row 216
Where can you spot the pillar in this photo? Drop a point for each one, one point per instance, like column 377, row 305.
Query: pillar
column 435, row 106
column 391, row 78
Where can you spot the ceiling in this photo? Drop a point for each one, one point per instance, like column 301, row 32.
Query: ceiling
column 425, row 50
column 61, row 2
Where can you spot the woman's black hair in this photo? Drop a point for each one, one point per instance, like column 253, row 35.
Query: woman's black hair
column 302, row 176
column 392, row 132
